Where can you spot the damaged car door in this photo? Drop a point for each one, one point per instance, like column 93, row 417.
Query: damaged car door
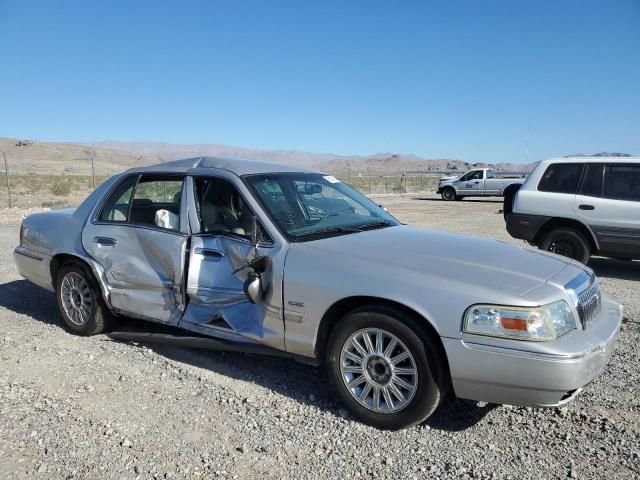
column 223, row 250
column 139, row 237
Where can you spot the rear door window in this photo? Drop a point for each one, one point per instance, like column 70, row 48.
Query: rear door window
column 592, row 180
column 622, row 182
column 156, row 202
column 561, row 178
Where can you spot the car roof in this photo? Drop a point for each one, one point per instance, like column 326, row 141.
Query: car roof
column 592, row 160
column 202, row 164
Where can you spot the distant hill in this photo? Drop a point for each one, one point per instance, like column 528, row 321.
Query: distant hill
column 380, row 162
column 29, row 156
column 112, row 156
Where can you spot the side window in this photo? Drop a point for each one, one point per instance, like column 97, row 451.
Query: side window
column 592, row 182
column 116, row 208
column 622, row 182
column 223, row 210
column 491, row 174
column 156, row 202
column 561, row 178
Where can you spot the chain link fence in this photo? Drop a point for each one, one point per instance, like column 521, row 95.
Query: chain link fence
column 51, row 184
column 42, row 184
column 60, row 185
column 391, row 182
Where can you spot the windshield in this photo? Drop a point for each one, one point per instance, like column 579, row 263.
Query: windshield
column 306, row 206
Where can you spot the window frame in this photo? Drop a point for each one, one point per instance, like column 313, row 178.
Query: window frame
column 96, row 220
column 583, row 177
column 267, row 243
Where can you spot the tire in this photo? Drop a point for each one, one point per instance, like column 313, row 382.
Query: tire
column 425, row 358
column 80, row 301
column 568, row 243
column 449, row 194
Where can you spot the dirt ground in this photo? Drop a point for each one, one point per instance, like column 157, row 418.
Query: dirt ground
column 75, row 408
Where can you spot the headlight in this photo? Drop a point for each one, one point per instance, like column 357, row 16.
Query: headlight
column 538, row 323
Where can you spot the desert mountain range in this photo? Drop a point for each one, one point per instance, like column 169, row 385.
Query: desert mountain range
column 110, row 156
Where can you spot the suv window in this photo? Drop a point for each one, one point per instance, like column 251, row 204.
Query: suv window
column 116, row 208
column 592, row 181
column 156, row 202
column 561, row 178
column 622, row 182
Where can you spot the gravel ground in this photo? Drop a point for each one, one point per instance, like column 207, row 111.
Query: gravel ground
column 74, row 407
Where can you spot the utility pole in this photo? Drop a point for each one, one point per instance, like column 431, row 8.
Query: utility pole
column 6, row 172
column 91, row 154
column 526, row 157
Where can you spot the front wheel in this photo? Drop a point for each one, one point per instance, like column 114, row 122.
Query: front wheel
column 449, row 194
column 385, row 368
column 80, row 302
column 568, row 243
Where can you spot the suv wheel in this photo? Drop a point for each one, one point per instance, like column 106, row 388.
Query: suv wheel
column 568, row 243
column 385, row 368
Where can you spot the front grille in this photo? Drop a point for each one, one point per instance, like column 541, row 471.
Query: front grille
column 589, row 304
column 585, row 293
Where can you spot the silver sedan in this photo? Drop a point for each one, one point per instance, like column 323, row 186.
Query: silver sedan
column 273, row 259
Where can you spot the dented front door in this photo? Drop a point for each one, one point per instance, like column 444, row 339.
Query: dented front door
column 217, row 304
column 143, row 269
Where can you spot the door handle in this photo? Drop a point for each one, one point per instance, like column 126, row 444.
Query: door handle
column 107, row 241
column 208, row 252
column 477, row 181
column 586, row 207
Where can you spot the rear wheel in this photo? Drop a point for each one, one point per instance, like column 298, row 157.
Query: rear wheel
column 80, row 302
column 385, row 368
column 568, row 243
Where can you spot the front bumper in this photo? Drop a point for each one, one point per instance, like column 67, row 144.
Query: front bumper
column 526, row 378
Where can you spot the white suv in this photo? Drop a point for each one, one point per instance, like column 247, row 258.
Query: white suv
column 579, row 206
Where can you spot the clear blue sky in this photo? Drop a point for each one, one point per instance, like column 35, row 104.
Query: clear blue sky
column 454, row 79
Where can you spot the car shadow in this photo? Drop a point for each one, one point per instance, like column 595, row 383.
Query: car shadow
column 466, row 200
column 303, row 383
column 618, row 269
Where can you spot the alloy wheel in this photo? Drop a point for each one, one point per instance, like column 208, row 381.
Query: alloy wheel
column 378, row 370
column 76, row 298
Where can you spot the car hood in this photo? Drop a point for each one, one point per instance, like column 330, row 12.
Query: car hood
column 489, row 264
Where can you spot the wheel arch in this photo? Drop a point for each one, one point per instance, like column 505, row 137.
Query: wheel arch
column 61, row 259
column 342, row 307
column 558, row 222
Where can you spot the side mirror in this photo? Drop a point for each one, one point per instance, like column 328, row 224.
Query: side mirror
column 253, row 287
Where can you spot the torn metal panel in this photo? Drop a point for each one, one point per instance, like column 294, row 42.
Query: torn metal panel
column 215, row 290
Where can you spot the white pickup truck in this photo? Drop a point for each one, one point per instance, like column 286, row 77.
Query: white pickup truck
column 480, row 182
